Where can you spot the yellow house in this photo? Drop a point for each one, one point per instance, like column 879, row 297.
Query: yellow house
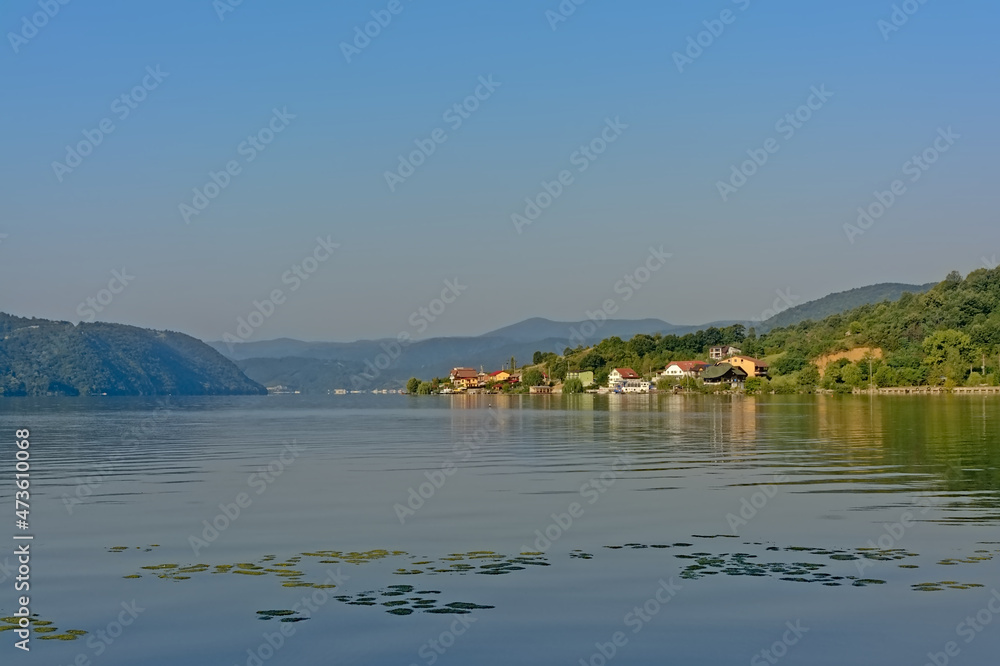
column 464, row 378
column 499, row 376
column 752, row 366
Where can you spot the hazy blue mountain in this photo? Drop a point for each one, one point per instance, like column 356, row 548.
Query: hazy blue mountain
column 537, row 328
column 840, row 302
column 371, row 364
column 42, row 357
column 309, row 375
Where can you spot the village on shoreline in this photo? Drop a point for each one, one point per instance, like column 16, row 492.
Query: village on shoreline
column 728, row 371
column 731, row 371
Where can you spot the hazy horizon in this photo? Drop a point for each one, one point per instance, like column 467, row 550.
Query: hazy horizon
column 296, row 133
column 778, row 306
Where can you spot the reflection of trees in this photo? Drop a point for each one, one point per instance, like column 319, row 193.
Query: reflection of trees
column 948, row 446
column 932, row 444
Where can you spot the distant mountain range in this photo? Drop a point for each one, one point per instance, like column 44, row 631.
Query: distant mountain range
column 42, row 357
column 370, row 364
column 537, row 328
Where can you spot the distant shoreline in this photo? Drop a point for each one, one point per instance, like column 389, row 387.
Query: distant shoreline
column 888, row 390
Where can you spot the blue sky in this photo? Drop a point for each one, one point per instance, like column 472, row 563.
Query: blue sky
column 62, row 233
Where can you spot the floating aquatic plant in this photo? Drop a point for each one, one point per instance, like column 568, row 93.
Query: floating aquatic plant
column 122, row 549
column 944, row 584
column 43, row 627
column 401, row 599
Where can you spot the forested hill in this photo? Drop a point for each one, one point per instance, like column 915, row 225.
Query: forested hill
column 941, row 335
column 842, row 301
column 947, row 335
column 42, row 357
column 969, row 306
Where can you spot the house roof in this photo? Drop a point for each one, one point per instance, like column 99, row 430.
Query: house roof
column 494, row 374
column 464, row 373
column 721, row 370
column 627, row 373
column 687, row 366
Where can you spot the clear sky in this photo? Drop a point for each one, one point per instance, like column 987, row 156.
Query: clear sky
column 200, row 78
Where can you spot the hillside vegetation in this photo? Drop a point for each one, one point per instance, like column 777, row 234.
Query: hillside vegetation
column 943, row 336
column 949, row 335
column 841, row 302
column 42, row 357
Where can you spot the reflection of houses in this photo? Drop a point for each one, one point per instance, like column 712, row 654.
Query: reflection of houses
column 751, row 366
column 719, row 353
column 732, row 425
column 681, row 369
column 723, row 374
column 464, row 378
column 619, row 375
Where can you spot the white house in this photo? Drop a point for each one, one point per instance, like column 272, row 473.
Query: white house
column 619, row 375
column 719, row 353
column 681, row 369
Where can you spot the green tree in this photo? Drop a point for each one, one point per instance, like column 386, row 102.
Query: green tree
column 592, row 361
column 690, row 384
column 948, row 354
column 789, row 363
column 537, row 358
column 755, row 385
column 735, row 333
column 785, row 385
column 808, row 378
column 424, row 388
column 573, row 386
column 851, row 375
column 532, row 377
column 885, row 376
column 412, row 385
column 641, row 344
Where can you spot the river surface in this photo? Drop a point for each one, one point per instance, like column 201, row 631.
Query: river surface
column 405, row 530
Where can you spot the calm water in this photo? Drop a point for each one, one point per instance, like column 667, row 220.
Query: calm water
column 648, row 490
